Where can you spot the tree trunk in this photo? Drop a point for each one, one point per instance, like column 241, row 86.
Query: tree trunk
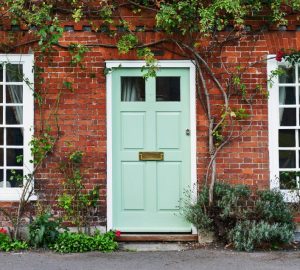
column 213, row 167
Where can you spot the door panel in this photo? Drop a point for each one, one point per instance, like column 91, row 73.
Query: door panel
column 150, row 115
column 133, row 123
column 168, row 185
column 133, row 183
column 168, row 130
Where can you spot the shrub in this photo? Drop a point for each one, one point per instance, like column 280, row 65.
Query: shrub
column 236, row 217
column 44, row 230
column 271, row 207
column 229, row 206
column 197, row 212
column 6, row 244
column 247, row 235
column 79, row 242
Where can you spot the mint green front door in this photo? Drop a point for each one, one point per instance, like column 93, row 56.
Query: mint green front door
column 149, row 116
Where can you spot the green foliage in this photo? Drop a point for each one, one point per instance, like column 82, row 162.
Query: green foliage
column 270, row 207
column 77, row 14
column 196, row 212
column 206, row 17
column 77, row 52
column 126, row 43
column 77, row 203
column 274, row 74
column 151, row 66
column 236, row 217
column 230, row 200
column 76, row 157
column 247, row 235
column 68, row 85
column 240, row 86
column 240, row 113
column 38, row 14
column 106, row 13
column 79, row 242
column 44, row 230
column 41, row 145
column 293, row 58
column 6, row 244
column 217, row 135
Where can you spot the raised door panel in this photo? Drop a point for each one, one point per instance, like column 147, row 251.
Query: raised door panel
column 168, row 130
column 168, row 185
column 133, row 187
column 132, row 130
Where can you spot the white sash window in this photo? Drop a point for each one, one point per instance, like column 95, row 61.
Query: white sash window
column 16, row 123
column 284, row 129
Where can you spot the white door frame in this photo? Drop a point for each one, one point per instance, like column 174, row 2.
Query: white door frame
column 138, row 64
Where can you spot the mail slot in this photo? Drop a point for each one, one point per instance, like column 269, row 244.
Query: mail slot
column 151, row 156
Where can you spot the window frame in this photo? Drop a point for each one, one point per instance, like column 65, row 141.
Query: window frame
column 274, row 125
column 27, row 60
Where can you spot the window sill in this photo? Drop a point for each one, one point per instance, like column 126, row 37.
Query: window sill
column 290, row 196
column 14, row 195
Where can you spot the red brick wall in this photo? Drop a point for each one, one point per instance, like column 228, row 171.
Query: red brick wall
column 82, row 114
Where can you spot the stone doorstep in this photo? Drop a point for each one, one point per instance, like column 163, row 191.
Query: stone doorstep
column 150, row 246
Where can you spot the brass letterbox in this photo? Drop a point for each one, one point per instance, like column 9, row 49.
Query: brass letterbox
column 151, row 156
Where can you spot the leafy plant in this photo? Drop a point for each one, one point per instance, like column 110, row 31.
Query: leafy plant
column 270, row 207
column 247, row 235
column 77, row 203
column 236, row 217
column 79, row 242
column 6, row 244
column 44, row 230
column 197, row 212
column 77, row 52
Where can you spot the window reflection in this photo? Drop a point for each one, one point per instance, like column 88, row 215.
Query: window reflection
column 132, row 89
column 168, row 89
column 287, row 159
column 286, row 138
column 14, row 73
column 287, row 116
column 288, row 76
column 288, row 180
column 287, row 95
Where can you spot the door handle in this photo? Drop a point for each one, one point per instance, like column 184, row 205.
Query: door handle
column 187, row 132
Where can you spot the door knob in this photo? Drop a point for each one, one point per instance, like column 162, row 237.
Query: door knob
column 187, row 132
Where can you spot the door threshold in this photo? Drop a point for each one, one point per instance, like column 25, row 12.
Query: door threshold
column 148, row 237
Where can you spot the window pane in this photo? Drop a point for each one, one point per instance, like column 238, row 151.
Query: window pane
column 1, row 157
column 11, row 157
column 168, row 89
column 287, row 95
column 1, row 93
column 14, row 73
column 14, row 178
column 287, row 159
column 1, row 135
column 1, row 179
column 14, row 94
column 287, row 116
column 288, row 76
column 14, row 136
column 288, row 180
column 14, row 115
column 1, row 73
column 286, row 138
column 132, row 89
